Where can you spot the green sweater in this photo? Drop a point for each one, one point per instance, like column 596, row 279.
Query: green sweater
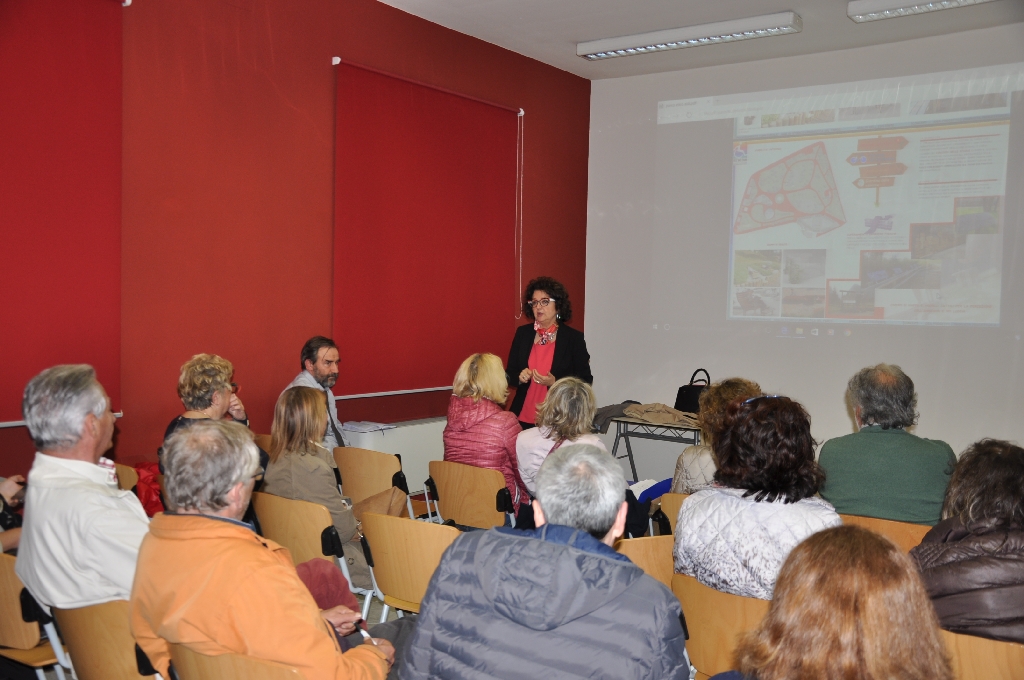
column 889, row 474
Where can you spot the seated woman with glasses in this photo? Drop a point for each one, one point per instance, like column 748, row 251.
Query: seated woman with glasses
column 735, row 536
column 972, row 561
column 207, row 393
column 848, row 604
column 480, row 432
column 546, row 349
column 695, row 468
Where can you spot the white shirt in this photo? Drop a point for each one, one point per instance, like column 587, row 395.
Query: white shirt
column 306, row 379
column 81, row 535
column 534, row 445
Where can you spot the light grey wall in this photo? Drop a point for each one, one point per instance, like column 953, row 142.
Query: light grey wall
column 969, row 380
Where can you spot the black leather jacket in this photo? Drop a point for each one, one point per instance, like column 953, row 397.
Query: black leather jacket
column 975, row 577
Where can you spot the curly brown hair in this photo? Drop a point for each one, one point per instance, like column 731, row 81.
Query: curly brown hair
column 716, row 397
column 848, row 603
column 200, row 377
column 987, row 485
column 764, row 445
column 555, row 290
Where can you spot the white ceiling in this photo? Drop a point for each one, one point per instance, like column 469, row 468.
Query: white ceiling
column 548, row 30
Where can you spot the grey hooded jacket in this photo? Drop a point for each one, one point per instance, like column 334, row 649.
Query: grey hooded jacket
column 544, row 604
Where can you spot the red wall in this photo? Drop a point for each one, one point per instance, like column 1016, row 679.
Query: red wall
column 60, row 198
column 228, row 175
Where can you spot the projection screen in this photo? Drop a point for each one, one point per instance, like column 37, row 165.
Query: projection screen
column 790, row 221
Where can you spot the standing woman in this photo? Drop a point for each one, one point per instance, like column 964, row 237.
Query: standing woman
column 545, row 350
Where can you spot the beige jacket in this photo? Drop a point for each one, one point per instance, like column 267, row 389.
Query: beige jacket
column 308, row 477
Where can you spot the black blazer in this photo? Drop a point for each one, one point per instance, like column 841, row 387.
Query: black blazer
column 571, row 358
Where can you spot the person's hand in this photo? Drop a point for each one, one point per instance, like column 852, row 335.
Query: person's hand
column 525, row 375
column 342, row 618
column 541, row 379
column 235, row 408
column 386, row 647
column 11, row 486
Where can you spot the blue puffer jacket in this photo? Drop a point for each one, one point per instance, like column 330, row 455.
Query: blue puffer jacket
column 544, row 604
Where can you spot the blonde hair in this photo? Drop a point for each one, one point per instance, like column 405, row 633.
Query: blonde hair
column 200, row 377
column 300, row 418
column 568, row 410
column 482, row 375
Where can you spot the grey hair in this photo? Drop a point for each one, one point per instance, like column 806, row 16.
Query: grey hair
column 204, row 461
column 58, row 400
column 582, row 487
column 885, row 395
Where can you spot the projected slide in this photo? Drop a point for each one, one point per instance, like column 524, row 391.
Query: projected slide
column 867, row 201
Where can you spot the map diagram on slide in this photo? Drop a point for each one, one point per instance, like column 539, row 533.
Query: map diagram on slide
column 907, row 228
column 799, row 188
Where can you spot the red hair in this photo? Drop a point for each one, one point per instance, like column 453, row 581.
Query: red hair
column 848, row 605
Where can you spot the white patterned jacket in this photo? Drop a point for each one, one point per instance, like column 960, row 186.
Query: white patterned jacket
column 737, row 545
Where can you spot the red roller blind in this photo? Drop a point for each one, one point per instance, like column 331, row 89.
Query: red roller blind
column 425, row 238
column 60, row 191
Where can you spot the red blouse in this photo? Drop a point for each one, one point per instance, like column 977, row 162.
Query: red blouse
column 541, row 357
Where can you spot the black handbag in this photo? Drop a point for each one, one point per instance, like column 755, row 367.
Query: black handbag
column 687, row 398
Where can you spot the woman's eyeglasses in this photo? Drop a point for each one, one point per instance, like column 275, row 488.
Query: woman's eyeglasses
column 543, row 302
column 763, row 396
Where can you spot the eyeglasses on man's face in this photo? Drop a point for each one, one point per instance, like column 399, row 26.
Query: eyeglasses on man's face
column 543, row 302
column 258, row 475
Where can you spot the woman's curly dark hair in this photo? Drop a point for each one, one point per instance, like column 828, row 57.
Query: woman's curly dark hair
column 764, row 445
column 987, row 485
column 555, row 291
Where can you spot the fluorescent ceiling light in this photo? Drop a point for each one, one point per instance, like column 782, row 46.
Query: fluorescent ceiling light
column 873, row 10
column 691, row 36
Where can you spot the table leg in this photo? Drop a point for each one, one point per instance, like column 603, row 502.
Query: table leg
column 629, row 452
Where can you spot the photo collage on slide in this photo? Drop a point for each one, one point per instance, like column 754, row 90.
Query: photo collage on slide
column 868, row 202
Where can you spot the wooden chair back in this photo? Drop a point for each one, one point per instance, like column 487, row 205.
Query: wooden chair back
column 127, row 477
column 192, row 665
column 14, row 632
column 296, row 525
column 99, row 640
column 467, row 493
column 263, row 441
column 903, row 534
column 670, row 504
column 653, row 554
column 976, row 658
column 715, row 621
column 365, row 473
column 405, row 555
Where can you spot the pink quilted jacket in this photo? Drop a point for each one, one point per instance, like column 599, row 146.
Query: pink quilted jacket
column 484, row 435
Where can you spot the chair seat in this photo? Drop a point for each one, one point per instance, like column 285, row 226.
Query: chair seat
column 404, row 605
column 37, row 657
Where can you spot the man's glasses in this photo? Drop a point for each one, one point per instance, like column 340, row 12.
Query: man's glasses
column 543, row 302
column 259, row 474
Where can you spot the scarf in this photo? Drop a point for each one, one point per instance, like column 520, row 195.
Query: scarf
column 546, row 335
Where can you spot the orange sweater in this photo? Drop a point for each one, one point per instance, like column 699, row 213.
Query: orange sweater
column 219, row 588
